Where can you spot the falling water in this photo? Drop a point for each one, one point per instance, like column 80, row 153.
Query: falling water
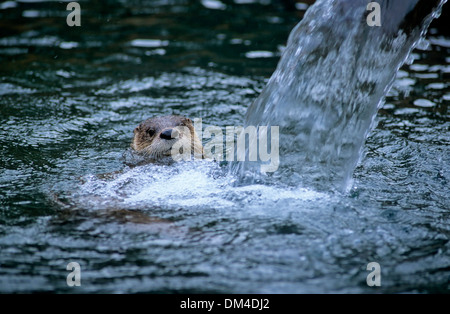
column 329, row 84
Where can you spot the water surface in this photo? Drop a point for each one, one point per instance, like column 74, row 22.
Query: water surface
column 71, row 97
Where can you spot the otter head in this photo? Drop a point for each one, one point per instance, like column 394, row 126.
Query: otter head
column 160, row 137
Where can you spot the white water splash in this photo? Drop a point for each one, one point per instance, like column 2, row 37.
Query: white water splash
column 198, row 185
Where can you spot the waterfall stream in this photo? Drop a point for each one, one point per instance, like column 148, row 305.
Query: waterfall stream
column 329, row 84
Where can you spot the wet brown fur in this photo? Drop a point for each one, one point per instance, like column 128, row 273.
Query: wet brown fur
column 148, row 142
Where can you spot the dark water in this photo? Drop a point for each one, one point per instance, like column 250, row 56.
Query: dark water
column 71, row 97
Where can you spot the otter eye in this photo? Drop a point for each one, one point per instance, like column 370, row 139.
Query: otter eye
column 151, row 132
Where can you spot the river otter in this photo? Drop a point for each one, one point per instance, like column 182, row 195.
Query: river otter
column 168, row 136
column 157, row 139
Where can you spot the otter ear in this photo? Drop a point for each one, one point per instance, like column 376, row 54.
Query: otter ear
column 137, row 129
column 186, row 120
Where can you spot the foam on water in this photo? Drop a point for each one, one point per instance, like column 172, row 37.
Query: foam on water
column 198, row 185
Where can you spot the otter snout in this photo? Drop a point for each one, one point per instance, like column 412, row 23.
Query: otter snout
column 169, row 134
column 166, row 134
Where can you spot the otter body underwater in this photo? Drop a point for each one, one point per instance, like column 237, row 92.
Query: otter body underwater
column 161, row 138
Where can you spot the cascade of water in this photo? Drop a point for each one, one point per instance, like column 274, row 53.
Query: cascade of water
column 330, row 82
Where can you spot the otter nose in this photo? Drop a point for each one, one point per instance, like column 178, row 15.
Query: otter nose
column 166, row 134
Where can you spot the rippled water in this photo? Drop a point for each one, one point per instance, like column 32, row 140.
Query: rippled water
column 71, row 97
